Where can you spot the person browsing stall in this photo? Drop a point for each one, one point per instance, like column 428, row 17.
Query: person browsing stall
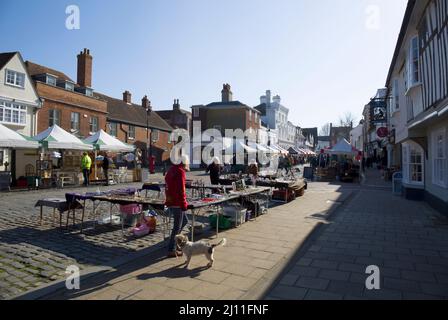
column 176, row 200
column 215, row 171
column 86, row 164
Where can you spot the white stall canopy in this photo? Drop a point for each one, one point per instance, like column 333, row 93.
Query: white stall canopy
column 11, row 139
column 58, row 138
column 105, row 142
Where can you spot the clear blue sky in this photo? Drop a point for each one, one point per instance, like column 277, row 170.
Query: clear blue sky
column 323, row 57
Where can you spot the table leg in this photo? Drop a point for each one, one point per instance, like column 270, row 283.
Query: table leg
column 192, row 224
column 217, row 222
column 82, row 215
column 74, row 217
column 41, row 214
column 54, row 214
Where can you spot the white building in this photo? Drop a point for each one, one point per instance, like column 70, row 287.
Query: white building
column 357, row 137
column 18, row 109
column 418, row 102
column 275, row 116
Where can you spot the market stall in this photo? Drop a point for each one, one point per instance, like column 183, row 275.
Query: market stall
column 18, row 153
column 341, row 164
column 104, row 142
column 60, row 158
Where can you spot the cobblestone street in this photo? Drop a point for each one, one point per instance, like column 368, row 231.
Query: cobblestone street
column 32, row 255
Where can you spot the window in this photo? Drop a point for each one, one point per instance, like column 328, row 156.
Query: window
column 131, row 132
column 89, row 92
column 155, row 135
column 54, row 117
column 12, row 113
column 74, row 121
column 93, row 124
column 412, row 163
column 2, row 155
column 396, row 95
column 51, row 80
column 113, row 128
column 15, row 78
column 439, row 174
column 69, row 86
column 195, row 112
column 217, row 128
column 413, row 62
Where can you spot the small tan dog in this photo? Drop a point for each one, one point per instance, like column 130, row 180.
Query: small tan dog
column 190, row 249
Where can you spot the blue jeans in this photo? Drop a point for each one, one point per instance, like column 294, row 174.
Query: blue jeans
column 86, row 173
column 180, row 220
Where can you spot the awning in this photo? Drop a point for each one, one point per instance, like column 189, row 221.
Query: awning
column 106, row 142
column 58, row 138
column 343, row 147
column 247, row 148
column 11, row 139
column 280, row 149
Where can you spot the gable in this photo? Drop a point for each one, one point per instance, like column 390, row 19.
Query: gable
column 27, row 94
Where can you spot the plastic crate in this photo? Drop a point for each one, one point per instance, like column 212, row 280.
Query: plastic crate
column 224, row 222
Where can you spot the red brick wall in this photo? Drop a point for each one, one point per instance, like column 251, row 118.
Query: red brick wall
column 67, row 102
column 140, row 141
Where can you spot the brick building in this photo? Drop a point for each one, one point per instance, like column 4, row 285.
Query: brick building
column 129, row 122
column 69, row 104
column 177, row 118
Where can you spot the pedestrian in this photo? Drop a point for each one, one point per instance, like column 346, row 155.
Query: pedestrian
column 105, row 166
column 86, row 164
column 253, row 168
column 214, row 169
column 176, row 201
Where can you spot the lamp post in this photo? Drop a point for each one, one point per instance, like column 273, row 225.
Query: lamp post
column 148, row 134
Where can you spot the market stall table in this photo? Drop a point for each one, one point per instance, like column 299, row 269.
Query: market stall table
column 62, row 205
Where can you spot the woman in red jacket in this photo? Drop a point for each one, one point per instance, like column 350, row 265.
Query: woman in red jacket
column 176, row 200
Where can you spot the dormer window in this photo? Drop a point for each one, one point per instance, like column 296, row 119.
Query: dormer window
column 51, row 80
column 89, row 92
column 69, row 86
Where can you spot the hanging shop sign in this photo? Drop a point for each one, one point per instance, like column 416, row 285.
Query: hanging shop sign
column 378, row 111
column 382, row 132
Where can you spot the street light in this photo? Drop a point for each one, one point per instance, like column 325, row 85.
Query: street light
column 148, row 133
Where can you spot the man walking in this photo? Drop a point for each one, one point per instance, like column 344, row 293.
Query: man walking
column 86, row 164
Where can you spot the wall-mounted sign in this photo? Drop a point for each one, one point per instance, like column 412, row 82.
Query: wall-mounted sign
column 378, row 111
column 382, row 132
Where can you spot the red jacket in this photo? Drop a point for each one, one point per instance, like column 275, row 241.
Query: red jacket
column 175, row 193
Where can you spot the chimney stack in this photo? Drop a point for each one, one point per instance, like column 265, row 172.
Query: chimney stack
column 146, row 104
column 268, row 97
column 226, row 93
column 127, row 97
column 176, row 105
column 85, row 68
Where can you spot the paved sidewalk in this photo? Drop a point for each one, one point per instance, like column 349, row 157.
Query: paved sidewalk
column 244, row 267
column 407, row 240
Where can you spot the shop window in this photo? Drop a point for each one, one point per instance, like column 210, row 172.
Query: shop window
column 413, row 164
column 439, row 156
column 2, row 155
